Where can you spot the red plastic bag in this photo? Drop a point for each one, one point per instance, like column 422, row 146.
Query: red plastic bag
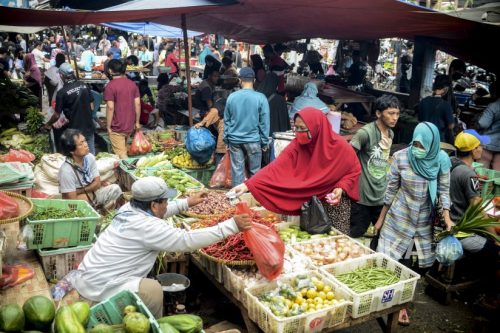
column 39, row 194
column 140, row 145
column 21, row 155
column 222, row 175
column 146, row 109
column 266, row 246
column 9, row 208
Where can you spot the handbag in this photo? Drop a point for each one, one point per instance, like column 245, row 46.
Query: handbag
column 313, row 218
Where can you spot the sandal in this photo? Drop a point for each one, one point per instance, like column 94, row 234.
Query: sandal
column 403, row 320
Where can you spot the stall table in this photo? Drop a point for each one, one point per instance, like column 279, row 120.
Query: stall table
column 332, row 93
column 389, row 326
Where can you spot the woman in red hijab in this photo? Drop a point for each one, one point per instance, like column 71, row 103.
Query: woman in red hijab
column 33, row 76
column 316, row 163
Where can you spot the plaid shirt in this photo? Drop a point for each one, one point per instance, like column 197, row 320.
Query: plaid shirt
column 410, row 211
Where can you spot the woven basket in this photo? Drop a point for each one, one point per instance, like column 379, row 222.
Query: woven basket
column 227, row 262
column 25, row 207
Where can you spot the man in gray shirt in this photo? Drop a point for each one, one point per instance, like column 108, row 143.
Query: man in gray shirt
column 79, row 178
column 464, row 184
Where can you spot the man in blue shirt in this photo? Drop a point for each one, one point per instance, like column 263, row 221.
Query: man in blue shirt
column 246, row 127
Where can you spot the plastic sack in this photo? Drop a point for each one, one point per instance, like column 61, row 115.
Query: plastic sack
column 140, row 144
column 313, row 218
column 21, row 155
column 448, row 250
column 265, row 245
column 200, row 144
column 9, row 207
column 222, row 175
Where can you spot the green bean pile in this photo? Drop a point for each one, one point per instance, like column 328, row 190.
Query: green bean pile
column 364, row 279
column 52, row 213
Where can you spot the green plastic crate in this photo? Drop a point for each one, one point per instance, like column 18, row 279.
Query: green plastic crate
column 110, row 311
column 490, row 187
column 202, row 175
column 57, row 233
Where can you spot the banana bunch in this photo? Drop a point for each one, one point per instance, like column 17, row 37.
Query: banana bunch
column 185, row 161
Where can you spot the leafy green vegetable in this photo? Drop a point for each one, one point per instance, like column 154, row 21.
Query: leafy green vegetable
column 474, row 221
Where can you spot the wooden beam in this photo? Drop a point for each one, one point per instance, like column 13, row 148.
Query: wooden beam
column 422, row 70
column 70, row 39
column 188, row 69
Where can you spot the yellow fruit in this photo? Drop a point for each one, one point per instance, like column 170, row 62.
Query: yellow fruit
column 319, row 285
column 299, row 299
column 318, row 300
column 288, row 303
column 314, row 279
column 311, row 307
column 311, row 293
column 303, row 292
column 309, row 300
column 322, row 295
column 327, row 288
column 330, row 295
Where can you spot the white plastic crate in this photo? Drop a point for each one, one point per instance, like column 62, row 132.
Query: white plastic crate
column 57, row 263
column 314, row 321
column 379, row 298
column 365, row 250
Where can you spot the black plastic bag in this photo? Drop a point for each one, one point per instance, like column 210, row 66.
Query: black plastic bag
column 313, row 218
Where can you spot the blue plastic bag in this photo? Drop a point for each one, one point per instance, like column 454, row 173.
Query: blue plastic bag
column 200, row 144
column 448, row 250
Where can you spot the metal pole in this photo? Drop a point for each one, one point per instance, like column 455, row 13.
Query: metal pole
column 70, row 38
column 188, row 69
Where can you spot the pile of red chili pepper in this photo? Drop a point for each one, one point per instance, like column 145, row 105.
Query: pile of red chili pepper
column 233, row 248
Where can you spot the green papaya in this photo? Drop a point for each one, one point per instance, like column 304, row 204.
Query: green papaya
column 167, row 328
column 102, row 328
column 39, row 312
column 11, row 318
column 184, row 323
column 67, row 322
column 82, row 312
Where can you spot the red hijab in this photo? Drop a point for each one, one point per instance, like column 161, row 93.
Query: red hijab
column 302, row 171
column 31, row 68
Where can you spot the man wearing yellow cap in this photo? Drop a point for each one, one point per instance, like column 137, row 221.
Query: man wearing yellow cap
column 464, row 184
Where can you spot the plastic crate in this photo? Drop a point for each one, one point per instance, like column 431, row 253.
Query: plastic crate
column 57, row 233
column 365, row 250
column 110, row 311
column 489, row 187
column 57, row 263
column 379, row 298
column 307, row 322
column 202, row 175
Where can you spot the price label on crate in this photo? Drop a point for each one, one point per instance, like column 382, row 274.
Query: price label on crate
column 315, row 324
column 388, row 296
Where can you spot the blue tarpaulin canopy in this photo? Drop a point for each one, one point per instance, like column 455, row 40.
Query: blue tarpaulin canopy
column 151, row 29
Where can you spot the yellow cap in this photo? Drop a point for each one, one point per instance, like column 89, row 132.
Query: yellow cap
column 466, row 142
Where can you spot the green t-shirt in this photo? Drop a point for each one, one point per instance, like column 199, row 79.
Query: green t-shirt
column 373, row 154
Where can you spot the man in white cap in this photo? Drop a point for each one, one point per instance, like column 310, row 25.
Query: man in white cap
column 126, row 251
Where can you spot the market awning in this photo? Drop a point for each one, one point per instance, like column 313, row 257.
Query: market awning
column 488, row 13
column 151, row 29
column 262, row 21
column 141, row 10
column 21, row 30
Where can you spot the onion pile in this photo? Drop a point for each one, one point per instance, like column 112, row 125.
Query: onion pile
column 330, row 250
column 216, row 203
